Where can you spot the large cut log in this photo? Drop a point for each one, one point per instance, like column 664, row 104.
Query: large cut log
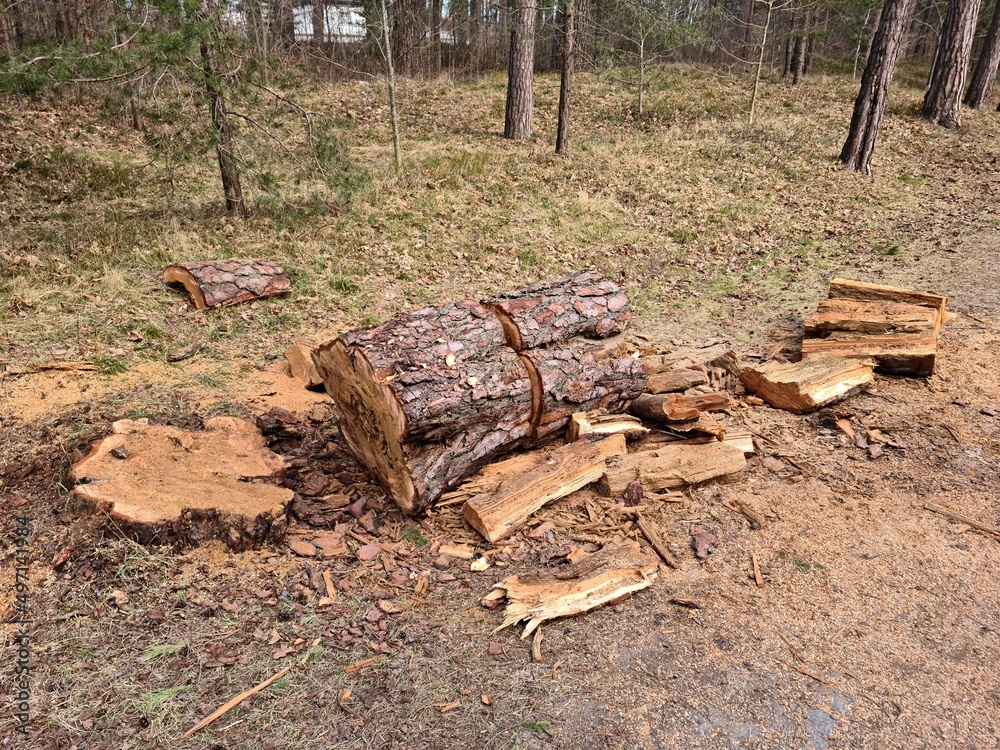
column 600, row 422
column 671, row 408
column 805, row 386
column 226, row 282
column 897, row 328
column 566, row 469
column 581, row 304
column 672, row 467
column 171, row 486
column 428, row 398
column 605, row 577
column 579, row 377
column 687, row 367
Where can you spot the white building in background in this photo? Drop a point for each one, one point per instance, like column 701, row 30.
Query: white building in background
column 341, row 22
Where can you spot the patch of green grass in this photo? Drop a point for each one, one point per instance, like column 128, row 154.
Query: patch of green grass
column 108, row 365
column 150, row 702
column 157, row 651
column 344, row 284
column 805, row 566
column 887, row 248
column 414, row 535
column 539, row 727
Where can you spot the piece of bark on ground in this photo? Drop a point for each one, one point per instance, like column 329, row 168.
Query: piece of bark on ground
column 805, row 386
column 227, row 282
column 672, row 467
column 171, row 486
column 565, row 470
column 605, row 577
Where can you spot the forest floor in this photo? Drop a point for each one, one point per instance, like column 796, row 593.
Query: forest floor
column 878, row 624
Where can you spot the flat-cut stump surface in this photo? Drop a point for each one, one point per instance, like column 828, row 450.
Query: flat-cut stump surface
column 166, row 484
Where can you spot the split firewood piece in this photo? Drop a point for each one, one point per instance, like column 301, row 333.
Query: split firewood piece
column 566, row 469
column 600, row 422
column 428, row 398
column 226, row 282
column 491, row 476
column 865, row 292
column 552, row 312
column 805, row 386
column 871, row 318
column 605, row 577
column 688, row 367
column 171, row 486
column 670, row 408
column 672, row 467
column 580, row 377
column 301, row 365
column 743, row 441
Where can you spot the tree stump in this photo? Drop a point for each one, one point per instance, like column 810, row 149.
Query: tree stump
column 227, row 282
column 171, row 486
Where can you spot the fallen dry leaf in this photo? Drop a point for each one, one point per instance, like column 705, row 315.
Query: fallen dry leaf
column 703, row 541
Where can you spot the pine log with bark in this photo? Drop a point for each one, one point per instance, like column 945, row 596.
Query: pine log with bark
column 943, row 100
column 212, row 283
column 885, row 49
column 985, row 71
column 520, row 71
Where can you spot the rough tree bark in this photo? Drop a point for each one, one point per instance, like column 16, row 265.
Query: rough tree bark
column 986, row 66
column 224, row 144
column 943, row 100
column 870, row 104
column 566, row 81
column 520, row 96
column 318, row 22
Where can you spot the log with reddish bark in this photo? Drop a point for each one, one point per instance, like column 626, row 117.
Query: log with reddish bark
column 227, row 282
column 670, row 408
column 552, row 312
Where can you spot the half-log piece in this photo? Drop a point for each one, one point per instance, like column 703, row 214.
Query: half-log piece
column 672, row 467
column 600, row 422
column 579, row 377
column 428, row 398
column 581, row 304
column 605, row 577
column 226, row 282
column 805, row 386
column 172, row 486
column 673, row 407
column 687, row 367
column 301, row 365
column 896, row 327
column 566, row 469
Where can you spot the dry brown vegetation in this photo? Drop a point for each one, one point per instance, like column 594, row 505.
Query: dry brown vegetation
column 877, row 624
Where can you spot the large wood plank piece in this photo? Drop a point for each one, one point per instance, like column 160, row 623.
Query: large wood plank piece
column 565, row 469
column 897, row 328
column 805, row 386
column 672, row 467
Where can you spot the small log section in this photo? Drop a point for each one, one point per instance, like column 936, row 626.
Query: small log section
column 805, row 386
column 672, row 467
column 896, row 327
column 227, row 282
column 565, row 469
column 166, row 485
column 600, row 422
column 670, row 408
column 428, row 398
column 605, row 577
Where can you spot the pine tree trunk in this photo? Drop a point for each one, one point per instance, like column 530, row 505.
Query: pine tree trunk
column 566, row 81
column 318, row 22
column 436, row 34
column 224, row 146
column 986, row 66
column 886, row 47
column 520, row 97
column 942, row 103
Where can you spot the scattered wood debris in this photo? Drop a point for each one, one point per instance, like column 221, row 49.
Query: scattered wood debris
column 604, row 577
column 213, row 283
column 805, row 386
column 688, row 367
column 497, row 513
column 897, row 328
column 171, row 486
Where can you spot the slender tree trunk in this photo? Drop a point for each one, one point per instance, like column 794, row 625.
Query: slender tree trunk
column 760, row 62
column 986, row 66
column 390, row 77
column 436, row 34
column 861, row 40
column 584, row 32
column 886, row 47
column 747, row 31
column 318, row 22
column 224, row 145
column 642, row 76
column 942, row 103
column 520, row 70
column 282, row 24
column 566, row 82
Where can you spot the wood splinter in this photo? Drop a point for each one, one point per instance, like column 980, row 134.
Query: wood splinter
column 655, row 541
column 967, row 520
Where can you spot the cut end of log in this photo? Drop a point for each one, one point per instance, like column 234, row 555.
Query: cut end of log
column 228, row 282
column 600, row 422
column 171, row 486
